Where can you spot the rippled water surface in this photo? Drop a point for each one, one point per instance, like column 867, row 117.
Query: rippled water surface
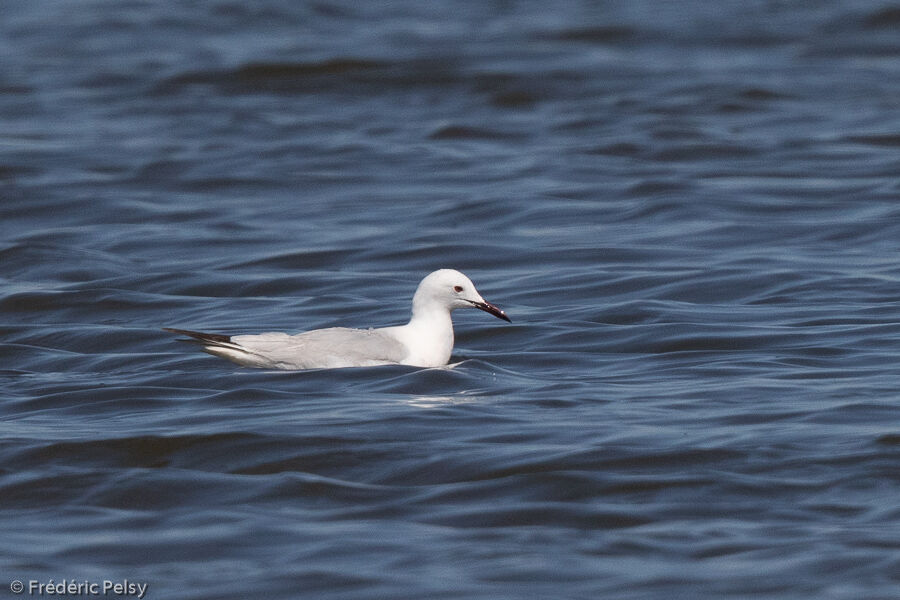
column 690, row 211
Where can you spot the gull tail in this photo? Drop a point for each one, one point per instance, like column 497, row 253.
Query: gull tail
column 218, row 345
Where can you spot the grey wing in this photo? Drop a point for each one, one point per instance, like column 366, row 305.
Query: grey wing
column 325, row 348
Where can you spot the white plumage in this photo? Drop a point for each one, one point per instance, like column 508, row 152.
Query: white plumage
column 426, row 341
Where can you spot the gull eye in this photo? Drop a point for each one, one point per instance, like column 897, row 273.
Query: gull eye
column 457, row 288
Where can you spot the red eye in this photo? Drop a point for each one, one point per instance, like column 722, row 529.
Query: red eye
column 457, row 288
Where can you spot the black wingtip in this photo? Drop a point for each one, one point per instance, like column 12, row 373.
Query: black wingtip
column 214, row 338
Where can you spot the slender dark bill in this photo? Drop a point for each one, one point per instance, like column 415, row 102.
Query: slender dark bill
column 490, row 308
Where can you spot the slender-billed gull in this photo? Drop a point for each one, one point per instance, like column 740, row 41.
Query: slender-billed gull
column 426, row 341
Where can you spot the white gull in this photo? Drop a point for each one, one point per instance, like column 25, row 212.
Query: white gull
column 426, row 341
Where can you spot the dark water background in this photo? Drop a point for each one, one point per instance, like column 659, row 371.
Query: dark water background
column 691, row 211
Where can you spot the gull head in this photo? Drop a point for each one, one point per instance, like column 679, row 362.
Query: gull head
column 451, row 289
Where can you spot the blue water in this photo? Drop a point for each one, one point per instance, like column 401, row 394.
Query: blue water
column 689, row 210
